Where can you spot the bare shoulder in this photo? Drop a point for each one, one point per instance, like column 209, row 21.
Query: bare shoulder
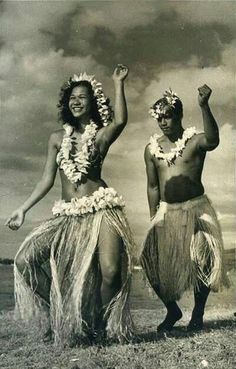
column 100, row 134
column 147, row 152
column 195, row 139
column 56, row 138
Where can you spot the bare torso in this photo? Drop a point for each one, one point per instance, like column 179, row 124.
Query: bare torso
column 89, row 183
column 180, row 181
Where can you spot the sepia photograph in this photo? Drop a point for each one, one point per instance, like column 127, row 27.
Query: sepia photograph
column 117, row 198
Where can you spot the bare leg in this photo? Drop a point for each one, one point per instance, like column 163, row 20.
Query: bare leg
column 173, row 313
column 34, row 275
column 149, row 262
column 109, row 248
column 37, row 279
column 202, row 292
column 200, row 299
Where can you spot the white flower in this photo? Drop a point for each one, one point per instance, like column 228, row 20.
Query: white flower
column 169, row 158
column 103, row 198
column 171, row 98
column 106, row 115
column 74, row 165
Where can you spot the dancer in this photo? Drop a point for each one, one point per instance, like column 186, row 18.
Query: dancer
column 183, row 247
column 75, row 268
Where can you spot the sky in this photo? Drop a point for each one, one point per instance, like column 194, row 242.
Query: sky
column 177, row 44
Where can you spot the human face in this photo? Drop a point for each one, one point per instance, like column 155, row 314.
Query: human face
column 168, row 122
column 80, row 102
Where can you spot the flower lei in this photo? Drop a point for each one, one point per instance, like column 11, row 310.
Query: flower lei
column 75, row 165
column 170, row 157
column 157, row 109
column 104, row 107
column 101, row 199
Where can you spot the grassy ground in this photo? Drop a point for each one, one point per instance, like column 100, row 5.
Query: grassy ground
column 22, row 348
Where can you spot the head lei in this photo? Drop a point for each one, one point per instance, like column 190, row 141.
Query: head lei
column 104, row 108
column 169, row 98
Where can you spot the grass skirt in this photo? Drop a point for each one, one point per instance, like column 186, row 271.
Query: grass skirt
column 184, row 247
column 64, row 248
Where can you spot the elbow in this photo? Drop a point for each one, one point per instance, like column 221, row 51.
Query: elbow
column 47, row 183
column 212, row 145
column 153, row 188
column 50, row 184
column 217, row 142
column 121, row 123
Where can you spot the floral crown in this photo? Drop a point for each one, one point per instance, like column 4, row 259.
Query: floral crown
column 104, row 108
column 157, row 109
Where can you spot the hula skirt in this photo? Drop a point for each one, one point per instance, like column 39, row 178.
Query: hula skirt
column 183, row 248
column 64, row 248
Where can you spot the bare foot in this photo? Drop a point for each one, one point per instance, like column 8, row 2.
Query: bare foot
column 47, row 337
column 195, row 324
column 171, row 318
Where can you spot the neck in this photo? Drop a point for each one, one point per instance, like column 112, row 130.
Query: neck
column 176, row 135
column 81, row 123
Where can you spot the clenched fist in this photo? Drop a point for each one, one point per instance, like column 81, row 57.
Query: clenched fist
column 120, row 72
column 204, row 95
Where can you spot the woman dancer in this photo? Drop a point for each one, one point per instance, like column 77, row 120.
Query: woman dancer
column 75, row 268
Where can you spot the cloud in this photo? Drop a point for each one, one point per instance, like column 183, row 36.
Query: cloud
column 165, row 44
column 33, row 23
column 117, row 16
column 186, row 80
column 220, row 169
column 206, row 12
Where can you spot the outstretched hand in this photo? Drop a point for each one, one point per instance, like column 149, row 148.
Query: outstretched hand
column 16, row 219
column 120, row 72
column 204, row 95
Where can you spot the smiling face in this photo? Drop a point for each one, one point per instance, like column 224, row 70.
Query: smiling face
column 80, row 102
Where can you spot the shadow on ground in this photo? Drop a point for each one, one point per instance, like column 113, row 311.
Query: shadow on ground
column 181, row 331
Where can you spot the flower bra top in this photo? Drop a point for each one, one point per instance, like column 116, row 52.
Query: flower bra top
column 78, row 154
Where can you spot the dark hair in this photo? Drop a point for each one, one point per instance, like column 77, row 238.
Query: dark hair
column 65, row 115
column 177, row 109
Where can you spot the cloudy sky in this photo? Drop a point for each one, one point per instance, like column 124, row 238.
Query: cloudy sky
column 182, row 44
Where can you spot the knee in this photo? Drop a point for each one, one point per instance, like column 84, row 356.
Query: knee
column 111, row 275
column 20, row 262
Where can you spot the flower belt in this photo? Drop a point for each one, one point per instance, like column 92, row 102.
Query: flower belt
column 103, row 198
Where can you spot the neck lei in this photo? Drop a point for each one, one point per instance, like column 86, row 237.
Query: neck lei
column 76, row 163
column 170, row 157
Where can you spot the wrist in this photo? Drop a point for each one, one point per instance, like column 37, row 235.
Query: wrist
column 118, row 82
column 23, row 209
column 204, row 106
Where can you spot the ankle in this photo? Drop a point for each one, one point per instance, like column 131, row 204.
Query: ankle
column 173, row 308
column 198, row 311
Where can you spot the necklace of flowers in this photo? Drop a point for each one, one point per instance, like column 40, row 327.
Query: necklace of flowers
column 76, row 164
column 170, row 157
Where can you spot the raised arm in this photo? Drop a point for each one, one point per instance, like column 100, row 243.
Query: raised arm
column 43, row 186
column 210, row 139
column 109, row 134
column 152, row 183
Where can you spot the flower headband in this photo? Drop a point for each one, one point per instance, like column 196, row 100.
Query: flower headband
column 157, row 109
column 104, row 108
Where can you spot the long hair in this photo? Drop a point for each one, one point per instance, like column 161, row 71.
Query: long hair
column 65, row 115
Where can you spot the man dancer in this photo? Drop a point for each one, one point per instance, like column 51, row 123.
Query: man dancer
column 183, row 247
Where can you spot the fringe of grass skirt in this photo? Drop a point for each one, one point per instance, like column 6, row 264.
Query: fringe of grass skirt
column 184, row 247
column 69, row 244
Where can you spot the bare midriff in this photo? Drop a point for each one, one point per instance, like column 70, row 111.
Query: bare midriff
column 85, row 188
